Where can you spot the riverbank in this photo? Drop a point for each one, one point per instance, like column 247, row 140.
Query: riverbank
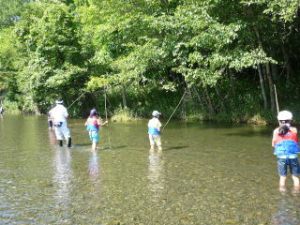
column 127, row 115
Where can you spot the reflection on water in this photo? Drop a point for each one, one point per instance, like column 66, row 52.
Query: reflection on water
column 52, row 138
column 287, row 212
column 62, row 177
column 156, row 174
column 93, row 166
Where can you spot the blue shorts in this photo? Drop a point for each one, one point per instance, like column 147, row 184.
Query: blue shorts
column 284, row 164
column 94, row 136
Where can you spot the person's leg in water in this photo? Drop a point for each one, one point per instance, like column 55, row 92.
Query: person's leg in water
column 152, row 142
column 58, row 135
column 94, row 137
column 282, row 171
column 69, row 143
column 158, row 142
column 296, row 183
column 66, row 133
column 50, row 124
column 282, row 180
column 94, row 146
column 295, row 170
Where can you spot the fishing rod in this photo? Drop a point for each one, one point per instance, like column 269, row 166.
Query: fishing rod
column 105, row 105
column 174, row 111
column 105, row 108
column 77, row 99
column 84, row 92
column 276, row 101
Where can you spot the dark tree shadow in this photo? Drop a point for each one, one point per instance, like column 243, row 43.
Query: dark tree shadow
column 113, row 147
column 266, row 133
column 82, row 145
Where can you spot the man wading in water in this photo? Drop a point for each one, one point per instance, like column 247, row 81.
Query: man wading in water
column 154, row 126
column 1, row 110
column 59, row 115
column 285, row 143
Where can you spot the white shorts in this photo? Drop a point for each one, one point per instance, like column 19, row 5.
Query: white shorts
column 62, row 132
column 154, row 139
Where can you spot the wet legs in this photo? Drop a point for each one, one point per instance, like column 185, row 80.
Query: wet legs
column 282, row 185
column 94, row 146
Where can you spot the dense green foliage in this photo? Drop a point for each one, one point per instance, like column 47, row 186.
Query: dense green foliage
column 225, row 55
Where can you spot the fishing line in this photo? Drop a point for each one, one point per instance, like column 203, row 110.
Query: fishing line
column 84, row 92
column 174, row 111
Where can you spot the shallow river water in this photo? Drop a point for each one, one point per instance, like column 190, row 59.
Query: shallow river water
column 206, row 174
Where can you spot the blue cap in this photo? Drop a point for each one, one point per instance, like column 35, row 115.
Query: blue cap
column 93, row 112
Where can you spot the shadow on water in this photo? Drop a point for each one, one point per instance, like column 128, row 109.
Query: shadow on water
column 79, row 146
column 175, row 148
column 82, row 145
column 113, row 147
column 251, row 133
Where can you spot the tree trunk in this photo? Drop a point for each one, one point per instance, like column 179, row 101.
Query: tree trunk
column 194, row 89
column 209, row 102
column 223, row 108
column 274, row 69
column 184, row 107
column 271, row 87
column 124, row 96
column 262, row 87
column 287, row 63
column 260, row 71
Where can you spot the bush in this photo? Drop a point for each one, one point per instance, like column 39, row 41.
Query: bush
column 257, row 120
column 123, row 115
column 11, row 107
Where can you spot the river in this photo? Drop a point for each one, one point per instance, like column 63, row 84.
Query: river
column 207, row 174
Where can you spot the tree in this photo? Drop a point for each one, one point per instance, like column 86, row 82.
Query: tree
column 53, row 54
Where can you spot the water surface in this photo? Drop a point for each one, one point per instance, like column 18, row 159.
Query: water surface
column 206, row 174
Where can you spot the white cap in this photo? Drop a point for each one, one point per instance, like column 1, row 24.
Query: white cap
column 156, row 113
column 285, row 115
column 59, row 101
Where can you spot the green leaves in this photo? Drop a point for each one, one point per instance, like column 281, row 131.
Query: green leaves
column 283, row 10
column 56, row 47
column 97, row 83
column 10, row 11
column 241, row 60
column 49, row 45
